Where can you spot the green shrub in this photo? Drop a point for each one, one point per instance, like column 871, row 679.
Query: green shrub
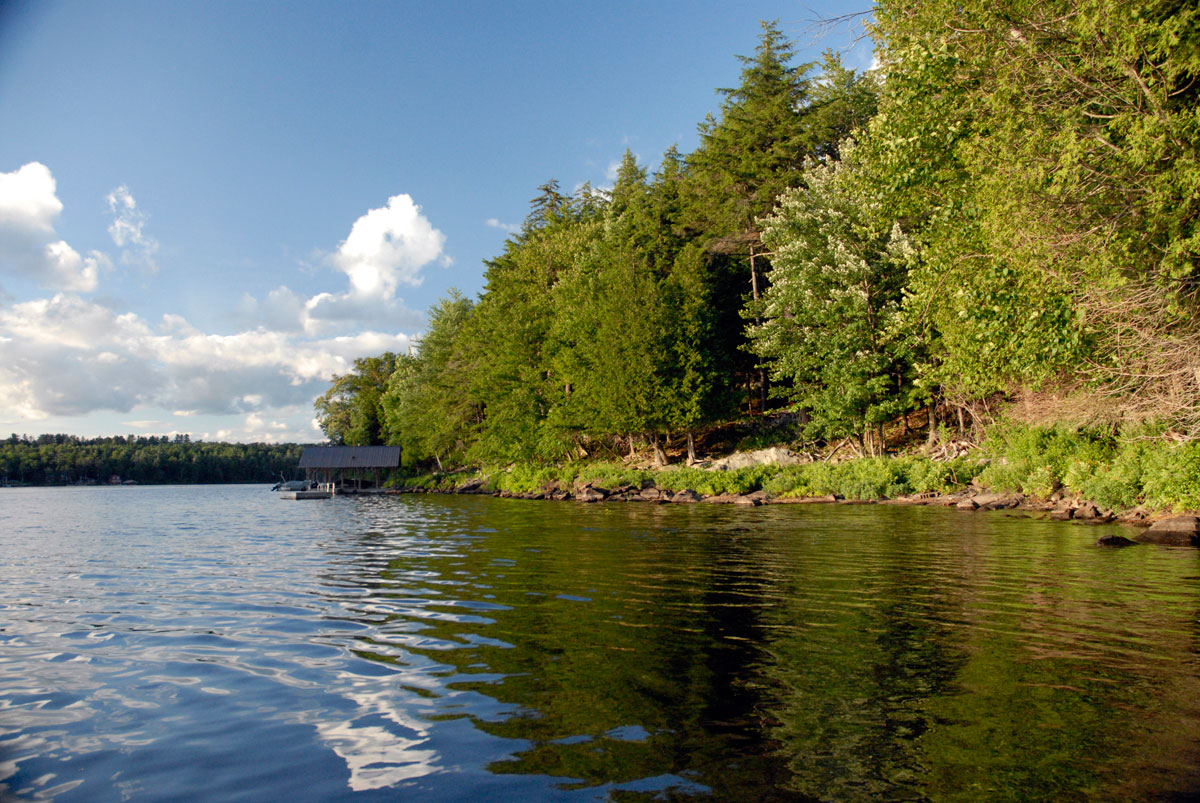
column 1171, row 476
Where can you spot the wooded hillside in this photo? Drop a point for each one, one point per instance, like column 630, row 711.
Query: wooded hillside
column 1006, row 209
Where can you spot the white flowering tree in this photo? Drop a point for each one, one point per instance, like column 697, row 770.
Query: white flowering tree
column 830, row 320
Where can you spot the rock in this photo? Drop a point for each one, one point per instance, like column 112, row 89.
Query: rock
column 470, row 487
column 589, row 493
column 746, row 501
column 759, row 497
column 1086, row 513
column 803, row 500
column 763, row 457
column 1114, row 540
column 685, row 496
column 1173, row 531
column 1061, row 514
column 967, row 504
column 650, row 494
column 720, row 499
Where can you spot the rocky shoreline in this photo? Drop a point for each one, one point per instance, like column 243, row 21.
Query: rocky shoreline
column 1175, row 530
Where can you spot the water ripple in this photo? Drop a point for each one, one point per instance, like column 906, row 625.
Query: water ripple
column 202, row 643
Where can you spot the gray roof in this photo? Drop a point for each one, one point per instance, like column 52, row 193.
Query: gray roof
column 350, row 457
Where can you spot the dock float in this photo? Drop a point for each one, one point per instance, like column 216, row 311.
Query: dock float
column 304, row 494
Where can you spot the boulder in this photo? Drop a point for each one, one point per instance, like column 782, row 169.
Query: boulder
column 763, row 457
column 1086, row 512
column 1061, row 514
column 1173, row 531
column 590, row 493
column 650, row 494
column 1114, row 541
column 967, row 504
column 997, row 501
column 721, row 499
column 470, row 486
column 685, row 496
column 746, row 501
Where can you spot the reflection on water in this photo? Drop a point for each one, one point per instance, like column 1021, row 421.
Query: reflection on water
column 203, row 643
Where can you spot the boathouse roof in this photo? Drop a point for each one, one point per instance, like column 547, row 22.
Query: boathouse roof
column 350, row 457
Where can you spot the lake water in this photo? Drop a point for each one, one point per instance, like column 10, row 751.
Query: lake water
column 218, row 643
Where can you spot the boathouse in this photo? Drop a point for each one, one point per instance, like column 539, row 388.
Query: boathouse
column 345, row 464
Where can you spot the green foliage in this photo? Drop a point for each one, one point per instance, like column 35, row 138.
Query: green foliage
column 831, row 314
column 426, row 411
column 1020, row 208
column 873, row 477
column 1048, row 157
column 1116, row 471
column 1171, row 476
column 351, row 412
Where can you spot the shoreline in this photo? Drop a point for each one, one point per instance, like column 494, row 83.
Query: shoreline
column 1177, row 529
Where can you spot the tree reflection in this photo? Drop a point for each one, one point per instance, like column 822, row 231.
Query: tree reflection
column 796, row 654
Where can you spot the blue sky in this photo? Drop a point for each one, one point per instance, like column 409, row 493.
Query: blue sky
column 206, row 209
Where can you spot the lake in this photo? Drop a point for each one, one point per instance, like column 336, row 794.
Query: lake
column 218, row 643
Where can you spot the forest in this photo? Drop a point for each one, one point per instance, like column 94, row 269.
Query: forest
column 997, row 224
column 67, row 460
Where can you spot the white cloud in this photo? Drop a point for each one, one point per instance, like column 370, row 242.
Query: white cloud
column 387, row 246
column 128, row 231
column 29, row 247
column 511, row 228
column 28, row 199
column 69, row 356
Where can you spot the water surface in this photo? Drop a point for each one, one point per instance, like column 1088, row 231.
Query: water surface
column 219, row 643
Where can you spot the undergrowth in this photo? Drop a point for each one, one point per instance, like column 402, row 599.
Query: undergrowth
column 1117, row 471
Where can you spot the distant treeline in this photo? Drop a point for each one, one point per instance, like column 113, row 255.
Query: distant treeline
column 66, row 459
column 1005, row 210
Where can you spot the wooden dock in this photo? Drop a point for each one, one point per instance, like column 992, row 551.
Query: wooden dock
column 314, row 494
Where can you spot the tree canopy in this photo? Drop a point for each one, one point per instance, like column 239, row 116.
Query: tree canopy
column 1008, row 204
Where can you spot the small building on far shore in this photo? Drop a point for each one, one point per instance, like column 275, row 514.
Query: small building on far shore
column 343, row 464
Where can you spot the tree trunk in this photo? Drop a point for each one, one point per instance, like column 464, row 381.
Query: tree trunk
column 762, row 369
column 932, row 438
column 962, row 424
column 632, row 450
column 882, row 439
column 691, row 458
column 439, row 462
column 660, row 457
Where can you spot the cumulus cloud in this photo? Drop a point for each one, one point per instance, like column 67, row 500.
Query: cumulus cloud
column 388, row 246
column 69, row 356
column 29, row 247
column 128, row 231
